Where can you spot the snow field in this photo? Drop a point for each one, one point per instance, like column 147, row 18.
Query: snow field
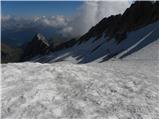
column 114, row 89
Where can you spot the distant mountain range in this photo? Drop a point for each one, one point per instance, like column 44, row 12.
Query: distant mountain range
column 114, row 37
column 23, row 36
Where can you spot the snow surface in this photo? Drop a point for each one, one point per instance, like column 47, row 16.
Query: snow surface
column 113, row 89
column 150, row 52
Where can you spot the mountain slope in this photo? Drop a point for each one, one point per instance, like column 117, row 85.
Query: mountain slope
column 138, row 15
column 150, row 52
column 102, row 49
column 38, row 46
column 124, row 87
column 113, row 37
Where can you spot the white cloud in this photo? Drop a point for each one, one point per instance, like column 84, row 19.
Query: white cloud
column 93, row 11
column 15, row 23
column 90, row 13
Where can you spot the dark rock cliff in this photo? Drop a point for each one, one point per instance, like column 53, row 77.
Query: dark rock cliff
column 138, row 15
column 38, row 46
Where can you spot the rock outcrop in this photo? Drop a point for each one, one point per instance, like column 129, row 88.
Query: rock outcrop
column 138, row 15
column 38, row 46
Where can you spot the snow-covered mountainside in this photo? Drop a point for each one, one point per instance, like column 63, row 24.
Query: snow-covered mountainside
column 150, row 52
column 126, row 88
column 116, row 36
column 101, row 50
column 118, row 88
column 112, row 89
column 119, row 80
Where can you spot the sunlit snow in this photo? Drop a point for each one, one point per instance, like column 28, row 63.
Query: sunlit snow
column 114, row 89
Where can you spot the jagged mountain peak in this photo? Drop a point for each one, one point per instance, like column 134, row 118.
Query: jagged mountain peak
column 38, row 46
column 128, row 32
column 40, row 37
column 138, row 15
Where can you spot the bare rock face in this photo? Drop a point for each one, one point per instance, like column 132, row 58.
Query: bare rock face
column 38, row 46
column 138, row 15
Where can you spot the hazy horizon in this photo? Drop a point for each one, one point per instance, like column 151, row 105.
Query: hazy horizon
column 22, row 19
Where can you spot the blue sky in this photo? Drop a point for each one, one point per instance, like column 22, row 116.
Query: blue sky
column 40, row 8
column 70, row 18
